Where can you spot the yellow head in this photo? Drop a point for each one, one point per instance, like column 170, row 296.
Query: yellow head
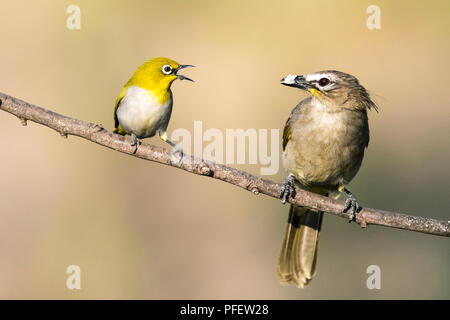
column 157, row 75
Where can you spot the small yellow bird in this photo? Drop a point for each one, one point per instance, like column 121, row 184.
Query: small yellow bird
column 144, row 105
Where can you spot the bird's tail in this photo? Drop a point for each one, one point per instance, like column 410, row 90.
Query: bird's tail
column 297, row 261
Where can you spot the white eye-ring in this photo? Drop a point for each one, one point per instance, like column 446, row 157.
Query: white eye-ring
column 166, row 69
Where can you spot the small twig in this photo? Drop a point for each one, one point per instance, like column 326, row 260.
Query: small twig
column 96, row 133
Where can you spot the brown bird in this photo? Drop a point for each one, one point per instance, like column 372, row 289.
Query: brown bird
column 323, row 146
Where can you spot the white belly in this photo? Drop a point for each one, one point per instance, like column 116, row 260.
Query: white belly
column 140, row 113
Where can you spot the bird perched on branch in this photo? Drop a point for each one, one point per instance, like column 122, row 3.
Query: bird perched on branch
column 144, row 105
column 323, row 146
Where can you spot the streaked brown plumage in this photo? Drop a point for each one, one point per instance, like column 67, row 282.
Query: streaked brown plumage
column 323, row 146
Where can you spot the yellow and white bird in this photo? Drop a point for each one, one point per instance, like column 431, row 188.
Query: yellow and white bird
column 144, row 105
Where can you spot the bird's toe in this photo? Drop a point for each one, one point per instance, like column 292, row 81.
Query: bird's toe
column 287, row 189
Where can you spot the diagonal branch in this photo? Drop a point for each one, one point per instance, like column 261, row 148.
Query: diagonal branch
column 96, row 133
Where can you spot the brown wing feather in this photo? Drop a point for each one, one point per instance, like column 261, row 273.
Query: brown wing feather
column 287, row 131
column 287, row 134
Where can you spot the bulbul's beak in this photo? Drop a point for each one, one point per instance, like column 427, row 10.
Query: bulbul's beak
column 181, row 77
column 295, row 81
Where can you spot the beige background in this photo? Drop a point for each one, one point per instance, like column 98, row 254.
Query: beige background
column 143, row 230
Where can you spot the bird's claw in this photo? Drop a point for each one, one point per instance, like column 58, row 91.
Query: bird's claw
column 287, row 189
column 352, row 204
column 135, row 142
column 178, row 149
column 135, row 145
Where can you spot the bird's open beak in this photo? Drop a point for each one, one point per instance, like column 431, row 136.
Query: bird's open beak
column 180, row 76
column 295, row 81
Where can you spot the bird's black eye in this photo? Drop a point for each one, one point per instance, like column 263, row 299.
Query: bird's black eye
column 166, row 69
column 323, row 82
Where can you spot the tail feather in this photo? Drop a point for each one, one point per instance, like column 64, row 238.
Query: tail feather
column 284, row 265
column 297, row 262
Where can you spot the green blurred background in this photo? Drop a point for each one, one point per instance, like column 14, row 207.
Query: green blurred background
column 142, row 230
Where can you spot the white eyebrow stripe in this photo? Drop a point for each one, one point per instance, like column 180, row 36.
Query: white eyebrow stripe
column 318, row 76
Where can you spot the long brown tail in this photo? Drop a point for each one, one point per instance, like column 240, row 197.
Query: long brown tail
column 297, row 262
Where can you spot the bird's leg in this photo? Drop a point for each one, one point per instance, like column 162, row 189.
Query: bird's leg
column 135, row 142
column 176, row 148
column 351, row 203
column 288, row 188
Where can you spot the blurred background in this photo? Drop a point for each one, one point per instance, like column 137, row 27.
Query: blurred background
column 141, row 230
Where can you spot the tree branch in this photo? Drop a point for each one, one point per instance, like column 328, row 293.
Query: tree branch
column 96, row 133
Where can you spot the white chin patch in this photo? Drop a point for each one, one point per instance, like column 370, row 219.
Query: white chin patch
column 290, row 79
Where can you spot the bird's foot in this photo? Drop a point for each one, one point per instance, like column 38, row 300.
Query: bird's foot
column 351, row 204
column 177, row 149
column 135, row 142
column 288, row 189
